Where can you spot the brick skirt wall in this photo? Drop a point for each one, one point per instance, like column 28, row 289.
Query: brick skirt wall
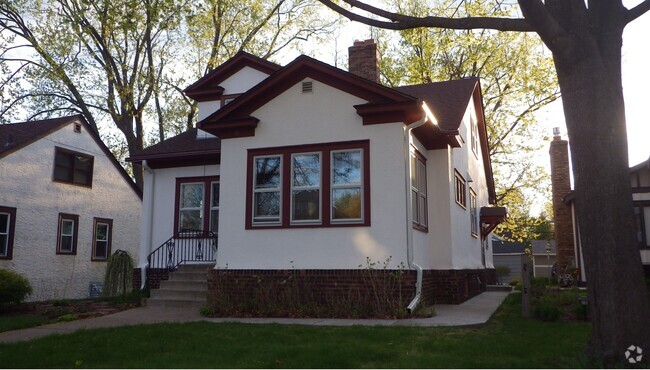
column 154, row 276
column 335, row 293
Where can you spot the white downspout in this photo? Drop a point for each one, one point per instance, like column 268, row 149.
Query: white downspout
column 409, row 213
column 145, row 247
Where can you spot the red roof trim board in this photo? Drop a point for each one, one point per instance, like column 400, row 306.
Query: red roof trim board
column 207, row 88
column 25, row 133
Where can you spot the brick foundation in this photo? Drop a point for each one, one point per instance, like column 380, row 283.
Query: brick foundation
column 154, row 277
column 335, row 293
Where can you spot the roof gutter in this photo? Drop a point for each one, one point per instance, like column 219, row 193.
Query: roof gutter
column 145, row 245
column 428, row 117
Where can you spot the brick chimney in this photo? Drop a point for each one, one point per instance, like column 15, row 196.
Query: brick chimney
column 363, row 60
column 561, row 185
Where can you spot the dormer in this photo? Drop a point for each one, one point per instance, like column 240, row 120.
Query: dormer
column 226, row 82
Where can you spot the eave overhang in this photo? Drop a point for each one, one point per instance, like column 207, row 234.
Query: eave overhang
column 490, row 218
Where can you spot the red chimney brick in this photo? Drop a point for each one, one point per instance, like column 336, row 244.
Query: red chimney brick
column 363, row 60
column 561, row 185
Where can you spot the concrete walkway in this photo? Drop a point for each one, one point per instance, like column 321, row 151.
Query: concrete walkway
column 475, row 311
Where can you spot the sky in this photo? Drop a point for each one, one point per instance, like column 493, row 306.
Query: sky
column 636, row 78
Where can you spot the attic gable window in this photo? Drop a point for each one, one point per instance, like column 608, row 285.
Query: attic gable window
column 321, row 185
column 474, row 135
column 73, row 168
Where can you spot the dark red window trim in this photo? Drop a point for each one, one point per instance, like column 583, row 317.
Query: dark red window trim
column 206, row 180
column 89, row 180
column 12, row 231
column 460, row 193
column 75, row 218
column 416, row 225
column 109, row 243
column 285, row 202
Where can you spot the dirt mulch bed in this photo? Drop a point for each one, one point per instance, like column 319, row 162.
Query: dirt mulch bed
column 68, row 310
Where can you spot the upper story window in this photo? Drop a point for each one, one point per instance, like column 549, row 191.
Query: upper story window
column 461, row 190
column 197, row 204
column 7, row 230
column 313, row 185
column 474, row 135
column 73, row 167
column 473, row 213
column 419, row 190
column 67, row 234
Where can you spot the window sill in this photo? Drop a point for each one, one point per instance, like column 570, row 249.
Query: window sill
column 421, row 228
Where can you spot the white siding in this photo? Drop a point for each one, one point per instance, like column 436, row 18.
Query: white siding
column 159, row 201
column 27, row 185
column 238, row 83
column 324, row 116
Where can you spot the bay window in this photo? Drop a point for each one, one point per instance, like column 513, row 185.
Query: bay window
column 320, row 185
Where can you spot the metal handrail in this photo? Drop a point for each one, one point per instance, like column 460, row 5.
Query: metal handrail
column 186, row 246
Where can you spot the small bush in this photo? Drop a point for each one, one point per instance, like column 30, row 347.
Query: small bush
column 547, row 312
column 207, row 311
column 514, row 281
column 14, row 288
column 119, row 274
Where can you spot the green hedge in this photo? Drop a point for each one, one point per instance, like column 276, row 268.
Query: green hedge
column 14, row 288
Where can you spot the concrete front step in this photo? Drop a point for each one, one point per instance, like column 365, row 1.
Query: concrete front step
column 196, row 267
column 186, row 288
column 188, row 276
column 178, row 295
column 189, row 285
column 498, row 288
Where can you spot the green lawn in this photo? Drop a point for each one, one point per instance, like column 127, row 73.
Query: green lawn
column 507, row 341
column 15, row 322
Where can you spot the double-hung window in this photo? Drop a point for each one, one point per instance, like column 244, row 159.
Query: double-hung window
column 7, row 227
column 67, row 234
column 461, row 190
column 305, row 187
column 419, row 191
column 473, row 213
column 197, row 204
column 321, row 185
column 347, row 185
column 267, row 189
column 73, row 168
column 102, row 238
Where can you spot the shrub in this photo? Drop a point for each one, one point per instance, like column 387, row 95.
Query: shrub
column 547, row 311
column 14, row 288
column 514, row 281
column 502, row 271
column 119, row 274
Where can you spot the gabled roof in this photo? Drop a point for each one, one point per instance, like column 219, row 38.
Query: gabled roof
column 643, row 165
column 15, row 136
column 181, row 149
column 207, row 88
column 448, row 100
column 300, row 68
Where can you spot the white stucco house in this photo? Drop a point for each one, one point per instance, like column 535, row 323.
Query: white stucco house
column 65, row 205
column 308, row 167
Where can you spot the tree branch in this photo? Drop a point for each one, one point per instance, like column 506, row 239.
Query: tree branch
column 403, row 22
column 637, row 11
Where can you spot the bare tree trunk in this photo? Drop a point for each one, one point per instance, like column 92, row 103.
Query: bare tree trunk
column 592, row 93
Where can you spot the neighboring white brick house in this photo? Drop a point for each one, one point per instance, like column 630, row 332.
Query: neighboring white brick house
column 65, row 205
